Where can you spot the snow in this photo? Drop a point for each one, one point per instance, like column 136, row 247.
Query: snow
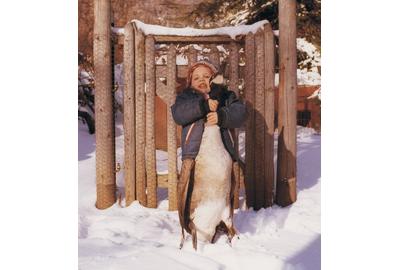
column 304, row 77
column 162, row 161
column 85, row 77
column 117, row 30
column 232, row 31
column 313, row 55
column 136, row 237
column 181, row 60
column 315, row 94
column 239, row 18
column 307, row 73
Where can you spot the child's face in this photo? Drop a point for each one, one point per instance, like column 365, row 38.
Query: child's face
column 201, row 79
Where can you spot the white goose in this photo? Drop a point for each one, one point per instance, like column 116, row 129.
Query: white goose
column 210, row 200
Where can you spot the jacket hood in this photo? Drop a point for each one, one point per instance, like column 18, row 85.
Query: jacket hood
column 205, row 63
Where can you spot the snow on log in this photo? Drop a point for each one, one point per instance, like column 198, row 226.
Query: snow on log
column 231, row 31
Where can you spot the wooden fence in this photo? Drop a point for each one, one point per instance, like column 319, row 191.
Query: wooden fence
column 144, row 79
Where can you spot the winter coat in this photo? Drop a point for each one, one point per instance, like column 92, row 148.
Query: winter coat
column 190, row 110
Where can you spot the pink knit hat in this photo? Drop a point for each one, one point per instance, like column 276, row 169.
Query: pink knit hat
column 205, row 63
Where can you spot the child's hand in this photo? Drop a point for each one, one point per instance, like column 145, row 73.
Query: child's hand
column 212, row 118
column 213, row 104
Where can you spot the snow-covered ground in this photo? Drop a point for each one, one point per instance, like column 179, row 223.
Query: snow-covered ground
column 136, row 237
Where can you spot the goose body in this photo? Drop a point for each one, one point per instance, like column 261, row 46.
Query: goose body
column 210, row 201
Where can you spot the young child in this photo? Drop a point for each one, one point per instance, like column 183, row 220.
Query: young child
column 206, row 111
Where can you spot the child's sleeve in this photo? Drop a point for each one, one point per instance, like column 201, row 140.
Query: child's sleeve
column 233, row 114
column 188, row 109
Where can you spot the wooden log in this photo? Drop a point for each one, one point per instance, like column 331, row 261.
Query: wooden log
column 120, row 39
column 162, row 180
column 259, row 118
column 129, row 115
column 195, row 39
column 236, row 184
column 286, row 168
column 214, row 56
column 233, row 85
column 104, row 116
column 151, row 174
column 269, row 70
column 171, row 131
column 192, row 57
column 250, row 136
column 140, row 117
column 161, row 91
column 234, row 68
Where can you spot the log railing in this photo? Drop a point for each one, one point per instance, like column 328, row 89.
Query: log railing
column 142, row 83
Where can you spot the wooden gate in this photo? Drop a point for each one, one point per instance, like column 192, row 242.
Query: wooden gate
column 247, row 61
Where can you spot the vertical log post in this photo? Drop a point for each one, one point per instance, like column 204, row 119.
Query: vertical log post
column 233, row 82
column 233, row 85
column 192, row 56
column 171, row 130
column 129, row 115
column 214, row 56
column 259, row 118
column 286, row 175
column 104, row 116
column 151, row 175
column 269, row 70
column 250, row 136
column 140, row 117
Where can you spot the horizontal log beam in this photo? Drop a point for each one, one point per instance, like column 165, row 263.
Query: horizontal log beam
column 195, row 39
column 162, row 180
column 185, row 39
column 188, row 39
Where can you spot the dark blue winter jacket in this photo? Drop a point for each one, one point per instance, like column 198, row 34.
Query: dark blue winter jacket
column 190, row 111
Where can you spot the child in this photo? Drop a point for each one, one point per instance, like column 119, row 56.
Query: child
column 206, row 111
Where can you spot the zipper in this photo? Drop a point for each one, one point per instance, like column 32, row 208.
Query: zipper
column 188, row 134
column 230, row 135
